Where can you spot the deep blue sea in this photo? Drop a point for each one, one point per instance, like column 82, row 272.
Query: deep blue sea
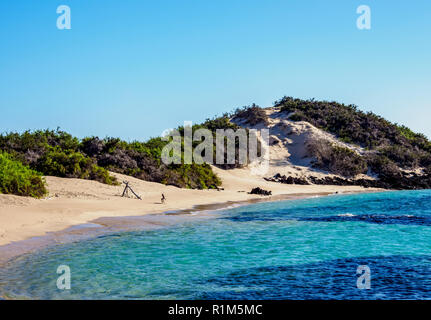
column 300, row 249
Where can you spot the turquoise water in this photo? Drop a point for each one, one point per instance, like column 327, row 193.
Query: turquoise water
column 302, row 249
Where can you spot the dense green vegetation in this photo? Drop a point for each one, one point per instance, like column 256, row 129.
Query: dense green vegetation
column 18, row 179
column 57, row 153
column 351, row 124
column 143, row 160
column 336, row 159
column 54, row 153
column 389, row 145
column 390, row 150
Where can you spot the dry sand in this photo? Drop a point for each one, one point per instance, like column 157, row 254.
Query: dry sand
column 76, row 201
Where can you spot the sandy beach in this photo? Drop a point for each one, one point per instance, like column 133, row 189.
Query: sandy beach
column 75, row 201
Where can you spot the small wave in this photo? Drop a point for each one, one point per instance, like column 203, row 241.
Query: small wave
column 346, row 215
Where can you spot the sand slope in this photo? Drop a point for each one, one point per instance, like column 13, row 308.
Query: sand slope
column 288, row 141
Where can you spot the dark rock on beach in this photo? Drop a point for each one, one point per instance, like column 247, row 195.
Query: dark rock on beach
column 260, row 191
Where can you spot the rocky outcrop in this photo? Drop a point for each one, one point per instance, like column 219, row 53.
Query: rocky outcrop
column 403, row 181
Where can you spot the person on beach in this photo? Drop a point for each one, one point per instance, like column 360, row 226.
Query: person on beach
column 163, row 198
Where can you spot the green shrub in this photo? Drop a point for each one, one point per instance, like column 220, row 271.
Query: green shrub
column 297, row 116
column 336, row 159
column 251, row 115
column 382, row 165
column 222, row 122
column 192, row 176
column 102, row 175
column 18, row 179
column 403, row 156
column 72, row 165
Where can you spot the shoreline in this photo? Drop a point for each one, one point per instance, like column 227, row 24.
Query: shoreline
column 76, row 201
column 108, row 225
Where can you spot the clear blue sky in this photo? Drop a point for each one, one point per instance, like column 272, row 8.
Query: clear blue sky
column 133, row 68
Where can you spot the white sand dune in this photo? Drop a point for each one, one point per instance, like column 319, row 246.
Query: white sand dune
column 288, row 141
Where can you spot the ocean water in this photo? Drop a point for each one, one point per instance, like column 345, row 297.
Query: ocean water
column 301, row 249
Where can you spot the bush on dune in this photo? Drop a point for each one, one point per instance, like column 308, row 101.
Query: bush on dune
column 72, row 165
column 336, row 159
column 351, row 124
column 55, row 153
column 224, row 123
column 18, row 179
column 193, row 176
column 142, row 160
column 251, row 115
column 29, row 146
column 390, row 147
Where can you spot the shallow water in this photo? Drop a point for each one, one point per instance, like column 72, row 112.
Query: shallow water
column 301, row 249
